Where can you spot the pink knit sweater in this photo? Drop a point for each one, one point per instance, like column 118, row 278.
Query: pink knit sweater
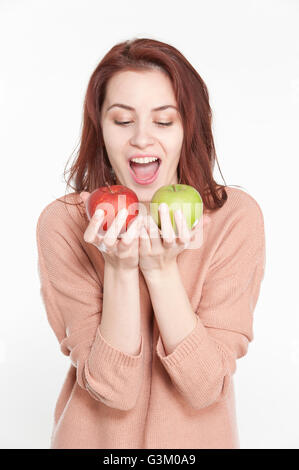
column 114, row 400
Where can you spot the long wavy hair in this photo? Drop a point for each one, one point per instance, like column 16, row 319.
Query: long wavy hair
column 92, row 169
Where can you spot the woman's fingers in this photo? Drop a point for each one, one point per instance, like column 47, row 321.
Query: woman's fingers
column 90, row 234
column 203, row 222
column 109, row 238
column 116, row 226
column 184, row 234
column 132, row 233
column 154, row 232
column 166, row 226
column 198, row 231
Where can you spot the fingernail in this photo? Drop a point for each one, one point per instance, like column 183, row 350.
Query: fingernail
column 99, row 213
column 163, row 207
column 179, row 213
column 123, row 212
column 195, row 223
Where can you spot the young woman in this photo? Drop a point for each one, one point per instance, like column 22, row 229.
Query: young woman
column 153, row 326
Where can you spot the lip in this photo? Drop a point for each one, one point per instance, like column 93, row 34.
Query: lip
column 149, row 180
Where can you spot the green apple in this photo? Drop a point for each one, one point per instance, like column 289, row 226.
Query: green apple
column 177, row 196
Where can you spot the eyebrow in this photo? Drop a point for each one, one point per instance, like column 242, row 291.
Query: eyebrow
column 124, row 106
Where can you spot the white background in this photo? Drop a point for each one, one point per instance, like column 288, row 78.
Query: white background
column 247, row 54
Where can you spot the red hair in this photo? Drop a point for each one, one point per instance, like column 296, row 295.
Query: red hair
column 92, row 167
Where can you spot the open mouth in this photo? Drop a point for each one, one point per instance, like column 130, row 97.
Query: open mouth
column 145, row 173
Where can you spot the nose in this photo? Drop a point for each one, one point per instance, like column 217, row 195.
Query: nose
column 141, row 137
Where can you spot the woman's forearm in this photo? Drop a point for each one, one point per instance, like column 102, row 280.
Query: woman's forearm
column 120, row 322
column 171, row 305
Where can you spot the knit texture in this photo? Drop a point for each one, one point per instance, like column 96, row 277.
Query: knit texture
column 184, row 400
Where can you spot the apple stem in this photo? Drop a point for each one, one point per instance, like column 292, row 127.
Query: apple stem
column 174, row 188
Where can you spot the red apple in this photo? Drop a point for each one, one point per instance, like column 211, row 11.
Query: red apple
column 112, row 199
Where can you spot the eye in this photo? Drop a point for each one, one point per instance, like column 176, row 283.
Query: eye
column 128, row 122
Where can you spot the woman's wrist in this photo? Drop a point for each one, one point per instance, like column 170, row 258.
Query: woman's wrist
column 156, row 275
column 121, row 270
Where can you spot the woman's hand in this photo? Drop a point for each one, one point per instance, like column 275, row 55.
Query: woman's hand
column 121, row 253
column 158, row 252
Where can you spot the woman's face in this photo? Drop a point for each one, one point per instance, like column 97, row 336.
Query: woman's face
column 142, row 134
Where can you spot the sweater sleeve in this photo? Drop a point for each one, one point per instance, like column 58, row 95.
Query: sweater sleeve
column 201, row 365
column 73, row 296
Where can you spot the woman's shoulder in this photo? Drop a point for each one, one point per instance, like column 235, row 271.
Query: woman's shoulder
column 63, row 211
column 240, row 219
column 239, row 202
column 242, row 196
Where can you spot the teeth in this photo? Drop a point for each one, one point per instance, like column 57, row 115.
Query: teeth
column 144, row 160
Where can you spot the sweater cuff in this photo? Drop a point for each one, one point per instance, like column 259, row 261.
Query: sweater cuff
column 189, row 344
column 103, row 352
column 113, row 376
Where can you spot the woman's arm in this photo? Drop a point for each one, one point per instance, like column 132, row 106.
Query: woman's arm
column 172, row 308
column 73, row 296
column 120, row 326
column 201, row 363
